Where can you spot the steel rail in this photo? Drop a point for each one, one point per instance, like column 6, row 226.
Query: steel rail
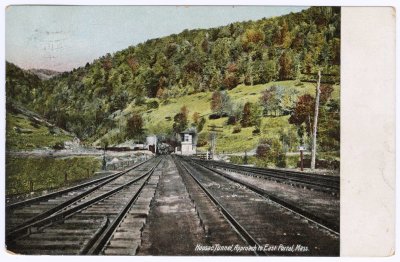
column 331, row 227
column 69, row 202
column 98, row 245
column 277, row 171
column 229, row 217
column 327, row 186
column 28, row 229
column 67, row 190
column 283, row 173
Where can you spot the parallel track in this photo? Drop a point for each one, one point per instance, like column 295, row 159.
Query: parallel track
column 256, row 219
column 24, row 213
column 107, row 216
column 327, row 184
column 332, row 227
column 85, row 224
column 236, row 225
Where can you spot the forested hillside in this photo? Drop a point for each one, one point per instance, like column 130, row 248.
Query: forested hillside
column 21, row 85
column 290, row 47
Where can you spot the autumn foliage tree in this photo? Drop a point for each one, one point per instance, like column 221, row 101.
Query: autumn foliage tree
column 216, row 102
column 246, row 115
column 181, row 120
column 196, row 118
column 230, row 81
column 251, row 115
column 304, row 109
column 134, row 126
column 302, row 117
column 286, row 66
column 303, row 112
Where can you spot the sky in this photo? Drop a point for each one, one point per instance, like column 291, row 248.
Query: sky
column 65, row 37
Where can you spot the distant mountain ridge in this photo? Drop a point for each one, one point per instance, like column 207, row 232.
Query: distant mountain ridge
column 44, row 74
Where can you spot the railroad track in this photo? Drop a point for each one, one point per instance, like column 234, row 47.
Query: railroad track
column 26, row 212
column 319, row 220
column 88, row 225
column 327, row 184
column 215, row 227
column 261, row 221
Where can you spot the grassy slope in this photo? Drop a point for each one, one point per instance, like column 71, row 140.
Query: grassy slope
column 156, row 119
column 43, row 172
column 38, row 135
column 46, row 173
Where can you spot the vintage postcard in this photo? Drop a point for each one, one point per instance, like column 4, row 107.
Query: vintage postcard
column 193, row 130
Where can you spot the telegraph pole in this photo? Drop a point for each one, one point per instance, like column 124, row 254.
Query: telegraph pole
column 315, row 123
column 314, row 138
column 214, row 130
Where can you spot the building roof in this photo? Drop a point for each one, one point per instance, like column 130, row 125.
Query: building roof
column 189, row 131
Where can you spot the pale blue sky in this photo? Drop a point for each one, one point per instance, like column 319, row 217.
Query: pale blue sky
column 65, row 37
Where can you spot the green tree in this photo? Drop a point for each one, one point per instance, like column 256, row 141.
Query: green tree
column 221, row 103
column 271, row 99
column 200, row 126
column 270, row 151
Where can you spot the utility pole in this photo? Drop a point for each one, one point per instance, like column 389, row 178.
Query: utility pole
column 213, row 142
column 315, row 124
column 104, row 166
column 245, row 158
column 214, row 130
column 314, row 137
column 301, row 148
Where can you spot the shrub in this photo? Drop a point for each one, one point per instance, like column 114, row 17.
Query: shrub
column 281, row 160
column 152, row 104
column 202, row 140
column 52, row 130
column 58, row 146
column 256, row 131
column 231, row 120
column 270, row 151
column 262, row 150
column 140, row 101
column 214, row 116
column 201, row 124
column 166, row 101
column 237, row 129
